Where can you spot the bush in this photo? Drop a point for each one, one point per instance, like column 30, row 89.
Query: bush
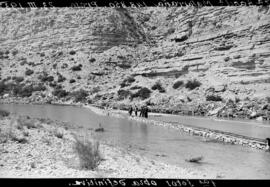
column 192, row 84
column 89, row 154
column 135, row 87
column 29, row 72
column 177, row 84
column 213, row 98
column 72, row 80
column 95, row 90
column 28, row 123
column 45, row 77
column 127, row 82
column 72, row 52
column 60, row 93
column 122, row 94
column 61, row 78
column 80, row 95
column 143, row 93
column 77, row 68
column 18, row 79
column 92, row 60
column 39, row 87
column 4, row 113
column 158, row 86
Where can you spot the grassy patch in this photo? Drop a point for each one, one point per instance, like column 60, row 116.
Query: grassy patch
column 29, row 72
column 158, row 86
column 122, row 94
column 4, row 113
column 127, row 82
column 192, row 84
column 143, row 93
column 177, row 84
column 77, row 68
column 88, row 153
column 213, row 98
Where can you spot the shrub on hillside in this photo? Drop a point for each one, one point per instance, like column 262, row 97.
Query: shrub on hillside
column 77, row 68
column 92, row 60
column 122, row 94
column 29, row 72
column 192, row 84
column 80, row 95
column 39, row 87
column 72, row 52
column 127, row 82
column 72, row 80
column 45, row 77
column 158, row 86
column 60, row 93
column 177, row 84
column 213, row 98
column 61, row 78
column 143, row 93
column 18, row 79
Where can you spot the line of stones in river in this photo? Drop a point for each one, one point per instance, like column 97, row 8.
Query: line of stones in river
column 205, row 133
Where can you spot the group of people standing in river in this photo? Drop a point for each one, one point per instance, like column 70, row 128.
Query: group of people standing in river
column 143, row 111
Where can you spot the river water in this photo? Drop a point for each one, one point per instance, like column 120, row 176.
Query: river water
column 164, row 144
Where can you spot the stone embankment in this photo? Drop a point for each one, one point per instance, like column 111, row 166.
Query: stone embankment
column 207, row 133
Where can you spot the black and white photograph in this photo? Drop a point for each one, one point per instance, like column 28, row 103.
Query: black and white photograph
column 176, row 92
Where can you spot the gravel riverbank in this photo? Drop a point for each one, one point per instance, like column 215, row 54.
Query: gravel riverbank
column 37, row 148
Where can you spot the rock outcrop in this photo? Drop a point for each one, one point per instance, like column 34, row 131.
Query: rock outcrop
column 226, row 49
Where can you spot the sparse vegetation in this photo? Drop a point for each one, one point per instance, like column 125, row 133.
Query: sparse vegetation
column 92, row 60
column 88, row 153
column 29, row 72
column 127, row 82
column 60, row 93
column 61, row 78
column 72, row 80
column 177, row 84
column 44, row 77
column 192, row 84
column 80, row 95
column 4, row 113
column 18, row 79
column 72, row 52
column 95, row 90
column 123, row 94
column 158, row 86
column 213, row 98
column 77, row 68
column 28, row 123
column 143, row 93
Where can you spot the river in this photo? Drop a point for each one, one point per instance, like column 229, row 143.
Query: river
column 167, row 145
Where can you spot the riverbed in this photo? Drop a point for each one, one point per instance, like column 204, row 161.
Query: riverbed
column 159, row 143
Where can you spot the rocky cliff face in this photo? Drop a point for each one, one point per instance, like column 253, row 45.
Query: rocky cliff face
column 226, row 49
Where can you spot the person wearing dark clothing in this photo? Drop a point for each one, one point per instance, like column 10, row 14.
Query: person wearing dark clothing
column 136, row 110
column 146, row 112
column 141, row 112
column 130, row 111
column 268, row 144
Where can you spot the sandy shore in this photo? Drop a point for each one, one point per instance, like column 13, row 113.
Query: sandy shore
column 45, row 148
